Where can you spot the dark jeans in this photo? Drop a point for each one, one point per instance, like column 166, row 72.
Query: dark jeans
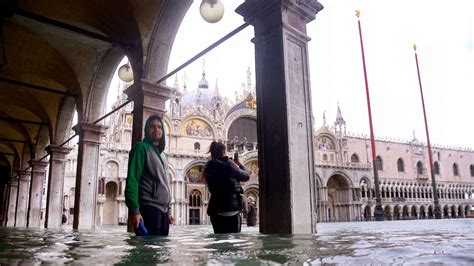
column 156, row 221
column 226, row 224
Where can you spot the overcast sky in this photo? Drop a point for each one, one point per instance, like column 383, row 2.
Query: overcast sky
column 442, row 30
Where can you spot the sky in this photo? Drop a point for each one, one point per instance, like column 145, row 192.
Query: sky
column 443, row 32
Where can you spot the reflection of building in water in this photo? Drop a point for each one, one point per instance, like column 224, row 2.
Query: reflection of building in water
column 343, row 173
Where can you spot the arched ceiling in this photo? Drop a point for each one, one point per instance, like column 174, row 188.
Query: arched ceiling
column 56, row 50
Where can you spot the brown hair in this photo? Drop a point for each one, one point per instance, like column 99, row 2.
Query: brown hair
column 217, row 150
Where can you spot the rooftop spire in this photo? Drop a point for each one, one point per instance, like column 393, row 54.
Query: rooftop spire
column 176, row 83
column 216, row 90
column 203, row 84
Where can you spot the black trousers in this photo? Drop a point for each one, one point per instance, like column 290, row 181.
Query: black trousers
column 156, row 221
column 226, row 224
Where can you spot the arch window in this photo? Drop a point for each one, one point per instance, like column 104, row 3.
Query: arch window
column 436, row 168
column 471, row 168
column 195, row 198
column 378, row 163
column 400, row 165
column 419, row 168
column 354, row 158
column 455, row 169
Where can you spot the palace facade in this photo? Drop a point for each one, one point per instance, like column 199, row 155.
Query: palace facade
column 344, row 174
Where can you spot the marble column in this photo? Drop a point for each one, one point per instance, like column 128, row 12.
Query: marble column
column 85, row 201
column 23, row 193
column 12, row 200
column 148, row 99
column 54, row 196
column 284, row 116
column 38, row 174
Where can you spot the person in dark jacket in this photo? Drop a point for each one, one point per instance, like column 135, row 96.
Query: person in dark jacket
column 223, row 177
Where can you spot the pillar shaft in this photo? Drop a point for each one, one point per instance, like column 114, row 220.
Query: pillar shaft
column 54, row 197
column 284, row 116
column 38, row 174
column 12, row 200
column 23, row 193
column 148, row 99
column 85, row 201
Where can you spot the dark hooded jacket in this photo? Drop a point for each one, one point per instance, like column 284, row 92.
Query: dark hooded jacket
column 223, row 178
column 147, row 177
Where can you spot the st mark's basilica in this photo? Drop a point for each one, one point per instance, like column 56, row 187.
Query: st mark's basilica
column 199, row 113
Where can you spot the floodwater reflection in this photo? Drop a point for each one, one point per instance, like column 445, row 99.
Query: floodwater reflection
column 391, row 242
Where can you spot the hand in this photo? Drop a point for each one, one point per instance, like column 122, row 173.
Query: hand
column 136, row 219
column 170, row 219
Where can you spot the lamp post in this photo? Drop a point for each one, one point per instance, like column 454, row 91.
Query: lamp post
column 211, row 10
column 378, row 211
column 437, row 209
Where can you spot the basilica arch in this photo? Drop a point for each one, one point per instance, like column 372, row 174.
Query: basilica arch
column 340, row 198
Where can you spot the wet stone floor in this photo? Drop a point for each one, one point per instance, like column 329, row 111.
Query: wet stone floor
column 440, row 242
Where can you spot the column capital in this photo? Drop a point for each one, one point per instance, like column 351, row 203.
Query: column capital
column 150, row 95
column 55, row 149
column 37, row 165
column 24, row 174
column 89, row 132
column 13, row 181
column 268, row 15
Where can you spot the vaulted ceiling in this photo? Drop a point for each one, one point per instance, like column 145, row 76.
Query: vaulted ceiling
column 57, row 56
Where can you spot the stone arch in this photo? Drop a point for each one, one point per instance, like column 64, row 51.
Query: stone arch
column 367, row 213
column 460, row 212
column 405, row 212
column 241, row 133
column 453, row 211
column 110, row 204
column 234, row 116
column 197, row 126
column 97, row 96
column 111, row 168
column 446, row 211
column 423, row 212
column 193, row 172
column 339, row 189
column 414, row 212
column 252, row 167
column 162, row 37
column 355, row 158
column 387, row 213
column 397, row 212
column 325, row 141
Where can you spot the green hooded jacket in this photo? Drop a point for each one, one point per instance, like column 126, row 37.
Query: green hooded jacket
column 147, row 178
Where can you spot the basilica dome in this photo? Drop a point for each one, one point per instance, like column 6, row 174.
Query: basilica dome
column 201, row 96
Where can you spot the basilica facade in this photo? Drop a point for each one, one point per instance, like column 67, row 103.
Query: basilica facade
column 343, row 170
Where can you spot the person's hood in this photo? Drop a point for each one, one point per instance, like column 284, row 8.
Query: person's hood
column 161, row 146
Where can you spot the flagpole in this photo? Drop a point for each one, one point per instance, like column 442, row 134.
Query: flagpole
column 378, row 211
column 437, row 209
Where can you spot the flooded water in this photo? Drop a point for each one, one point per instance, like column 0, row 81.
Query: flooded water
column 449, row 242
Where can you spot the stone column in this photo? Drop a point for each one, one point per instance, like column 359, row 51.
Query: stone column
column 85, row 201
column 23, row 192
column 38, row 173
column 284, row 113
column 148, row 99
column 12, row 200
column 54, row 196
